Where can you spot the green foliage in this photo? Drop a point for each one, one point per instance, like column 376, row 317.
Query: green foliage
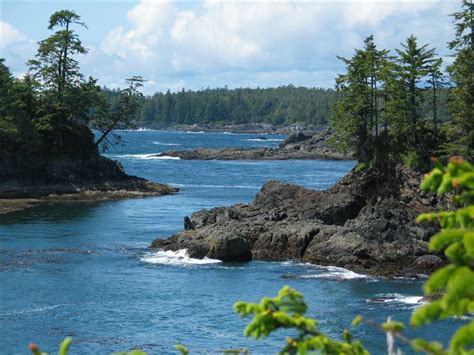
column 455, row 282
column 121, row 115
column 63, row 347
column 47, row 115
column 383, row 111
column 182, row 349
column 278, row 106
column 287, row 311
column 462, row 75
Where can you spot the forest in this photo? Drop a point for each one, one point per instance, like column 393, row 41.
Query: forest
column 280, row 106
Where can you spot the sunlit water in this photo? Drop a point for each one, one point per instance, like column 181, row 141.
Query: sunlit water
column 83, row 269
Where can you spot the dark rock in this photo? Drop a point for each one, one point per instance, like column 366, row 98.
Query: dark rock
column 295, row 138
column 188, row 224
column 296, row 146
column 361, row 223
column 428, row 262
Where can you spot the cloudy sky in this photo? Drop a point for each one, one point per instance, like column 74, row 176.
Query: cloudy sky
column 199, row 44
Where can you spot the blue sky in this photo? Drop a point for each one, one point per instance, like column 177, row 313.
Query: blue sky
column 175, row 44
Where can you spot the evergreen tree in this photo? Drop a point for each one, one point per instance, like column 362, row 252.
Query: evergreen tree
column 414, row 65
column 462, row 75
column 356, row 115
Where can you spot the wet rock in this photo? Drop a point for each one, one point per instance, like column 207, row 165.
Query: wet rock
column 361, row 223
column 296, row 146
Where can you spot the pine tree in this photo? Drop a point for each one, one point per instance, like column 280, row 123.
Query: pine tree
column 414, row 65
column 462, row 75
column 356, row 115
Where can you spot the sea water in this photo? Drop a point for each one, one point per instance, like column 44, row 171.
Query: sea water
column 84, row 270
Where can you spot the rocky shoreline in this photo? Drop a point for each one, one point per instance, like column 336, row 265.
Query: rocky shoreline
column 365, row 223
column 297, row 146
column 254, row 128
column 96, row 179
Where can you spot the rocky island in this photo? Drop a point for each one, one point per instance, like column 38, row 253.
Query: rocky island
column 297, row 146
column 366, row 222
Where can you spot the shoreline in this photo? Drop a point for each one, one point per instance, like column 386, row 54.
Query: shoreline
column 297, row 146
column 235, row 128
column 365, row 223
column 9, row 205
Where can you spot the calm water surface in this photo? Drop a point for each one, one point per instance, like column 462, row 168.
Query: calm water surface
column 83, row 269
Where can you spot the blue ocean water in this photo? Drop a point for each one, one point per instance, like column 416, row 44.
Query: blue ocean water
column 83, row 269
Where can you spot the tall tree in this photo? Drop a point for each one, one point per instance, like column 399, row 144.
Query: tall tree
column 462, row 75
column 414, row 65
column 436, row 81
column 356, row 115
column 54, row 65
column 60, row 82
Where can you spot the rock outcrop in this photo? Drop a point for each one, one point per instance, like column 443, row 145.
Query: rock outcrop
column 96, row 178
column 365, row 222
column 296, row 146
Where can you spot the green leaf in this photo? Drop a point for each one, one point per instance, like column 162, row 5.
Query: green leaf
column 64, row 348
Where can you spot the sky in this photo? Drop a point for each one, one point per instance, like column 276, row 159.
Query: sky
column 200, row 44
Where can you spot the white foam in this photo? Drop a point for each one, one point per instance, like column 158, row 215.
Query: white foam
column 179, row 257
column 399, row 298
column 264, row 140
column 32, row 310
column 335, row 273
column 146, row 157
column 161, row 143
column 197, row 132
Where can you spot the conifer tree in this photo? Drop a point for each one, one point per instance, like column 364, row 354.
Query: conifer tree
column 414, row 65
column 462, row 74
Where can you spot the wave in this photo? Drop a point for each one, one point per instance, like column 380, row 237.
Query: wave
column 195, row 132
column 140, row 129
column 264, row 140
column 160, row 143
column 335, row 273
column 179, row 257
column 31, row 310
column 396, row 298
column 146, row 157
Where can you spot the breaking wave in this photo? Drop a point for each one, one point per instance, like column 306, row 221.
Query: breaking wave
column 146, row 157
column 161, row 143
column 179, row 257
column 334, row 273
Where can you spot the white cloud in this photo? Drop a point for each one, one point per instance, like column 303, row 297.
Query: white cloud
column 220, row 36
column 9, row 34
column 15, row 48
column 250, row 43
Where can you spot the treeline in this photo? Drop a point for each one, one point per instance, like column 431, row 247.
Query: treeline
column 278, row 106
column 385, row 95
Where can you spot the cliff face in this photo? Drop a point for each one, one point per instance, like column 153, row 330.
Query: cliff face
column 365, row 222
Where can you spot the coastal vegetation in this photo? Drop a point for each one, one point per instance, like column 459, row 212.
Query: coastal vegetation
column 47, row 118
column 379, row 115
column 280, row 106
column 48, row 114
